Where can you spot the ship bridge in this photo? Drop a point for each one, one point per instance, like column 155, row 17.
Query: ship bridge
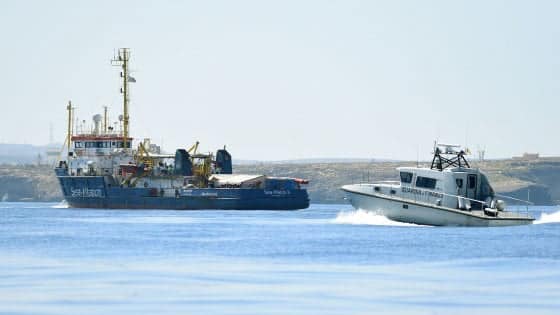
column 87, row 145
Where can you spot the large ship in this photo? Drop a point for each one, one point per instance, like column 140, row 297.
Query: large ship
column 448, row 193
column 102, row 169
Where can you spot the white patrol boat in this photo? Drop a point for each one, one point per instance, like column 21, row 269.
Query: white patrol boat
column 449, row 193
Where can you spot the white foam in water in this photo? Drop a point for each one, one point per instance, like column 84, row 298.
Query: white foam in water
column 62, row 205
column 363, row 217
column 548, row 218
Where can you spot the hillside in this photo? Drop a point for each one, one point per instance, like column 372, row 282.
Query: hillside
column 540, row 179
column 512, row 178
column 28, row 183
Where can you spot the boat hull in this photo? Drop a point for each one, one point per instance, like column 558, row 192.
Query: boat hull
column 93, row 192
column 409, row 211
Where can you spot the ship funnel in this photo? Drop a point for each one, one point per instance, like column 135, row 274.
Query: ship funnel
column 223, row 162
column 97, row 121
column 183, row 163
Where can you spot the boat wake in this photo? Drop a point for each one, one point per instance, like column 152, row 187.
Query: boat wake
column 548, row 218
column 62, row 205
column 364, row 217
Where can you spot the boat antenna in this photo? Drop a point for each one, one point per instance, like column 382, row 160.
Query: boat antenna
column 417, row 155
column 442, row 159
column 122, row 59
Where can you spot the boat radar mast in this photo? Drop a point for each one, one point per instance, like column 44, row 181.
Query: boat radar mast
column 440, row 162
column 122, row 59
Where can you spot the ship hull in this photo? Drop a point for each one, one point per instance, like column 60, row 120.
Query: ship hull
column 95, row 192
column 409, row 211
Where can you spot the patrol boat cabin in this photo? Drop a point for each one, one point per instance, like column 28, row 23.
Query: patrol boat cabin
column 449, row 192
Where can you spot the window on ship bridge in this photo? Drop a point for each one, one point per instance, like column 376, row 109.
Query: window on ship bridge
column 406, row 177
column 426, row 182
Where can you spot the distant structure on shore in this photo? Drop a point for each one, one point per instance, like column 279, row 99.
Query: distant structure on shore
column 526, row 157
column 481, row 154
column 53, row 150
column 19, row 154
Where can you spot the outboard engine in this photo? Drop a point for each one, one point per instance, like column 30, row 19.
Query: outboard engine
column 223, row 162
column 500, row 205
column 183, row 163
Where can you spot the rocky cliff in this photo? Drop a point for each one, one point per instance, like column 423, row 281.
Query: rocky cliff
column 28, row 183
column 539, row 180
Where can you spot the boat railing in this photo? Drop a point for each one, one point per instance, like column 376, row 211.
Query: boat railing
column 418, row 197
column 387, row 182
column 526, row 202
column 453, row 196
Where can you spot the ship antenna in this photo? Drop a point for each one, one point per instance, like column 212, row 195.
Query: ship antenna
column 105, row 120
column 122, row 60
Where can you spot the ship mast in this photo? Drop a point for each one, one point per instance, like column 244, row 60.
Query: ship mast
column 122, row 60
column 69, row 134
column 105, row 120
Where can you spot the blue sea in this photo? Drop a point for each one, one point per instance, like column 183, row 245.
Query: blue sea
column 328, row 259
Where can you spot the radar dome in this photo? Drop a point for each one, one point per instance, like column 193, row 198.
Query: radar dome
column 97, row 118
column 97, row 121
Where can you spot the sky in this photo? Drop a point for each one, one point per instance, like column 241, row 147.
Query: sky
column 276, row 80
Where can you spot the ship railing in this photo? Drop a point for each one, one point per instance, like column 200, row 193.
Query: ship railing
column 428, row 198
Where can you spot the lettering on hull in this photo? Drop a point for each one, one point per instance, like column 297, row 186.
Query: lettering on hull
column 87, row 193
column 421, row 192
column 192, row 193
column 277, row 192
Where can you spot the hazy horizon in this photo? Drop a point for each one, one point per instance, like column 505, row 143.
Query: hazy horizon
column 291, row 80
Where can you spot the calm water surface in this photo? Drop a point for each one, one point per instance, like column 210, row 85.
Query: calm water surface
column 328, row 259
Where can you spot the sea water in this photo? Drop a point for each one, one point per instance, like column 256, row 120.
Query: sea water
column 328, row 259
